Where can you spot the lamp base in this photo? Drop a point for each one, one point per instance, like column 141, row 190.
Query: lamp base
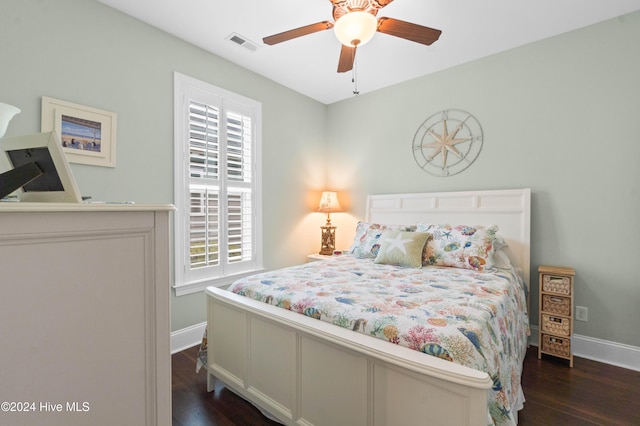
column 328, row 240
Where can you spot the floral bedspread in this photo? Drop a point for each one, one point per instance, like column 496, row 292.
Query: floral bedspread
column 477, row 319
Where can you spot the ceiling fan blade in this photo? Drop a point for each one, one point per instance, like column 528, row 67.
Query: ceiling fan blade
column 379, row 4
column 408, row 31
column 297, row 32
column 347, row 57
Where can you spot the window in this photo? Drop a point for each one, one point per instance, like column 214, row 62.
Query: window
column 217, row 171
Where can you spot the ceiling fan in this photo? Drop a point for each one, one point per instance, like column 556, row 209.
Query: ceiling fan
column 355, row 23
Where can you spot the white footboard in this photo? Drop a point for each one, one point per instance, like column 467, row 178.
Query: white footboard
column 307, row 372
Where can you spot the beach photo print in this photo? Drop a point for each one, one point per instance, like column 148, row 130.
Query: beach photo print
column 87, row 135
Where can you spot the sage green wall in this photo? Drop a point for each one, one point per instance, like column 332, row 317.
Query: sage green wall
column 87, row 53
column 560, row 116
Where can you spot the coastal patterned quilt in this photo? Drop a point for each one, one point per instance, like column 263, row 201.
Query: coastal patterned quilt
column 473, row 318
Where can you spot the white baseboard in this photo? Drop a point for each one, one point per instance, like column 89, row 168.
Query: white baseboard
column 187, row 337
column 618, row 354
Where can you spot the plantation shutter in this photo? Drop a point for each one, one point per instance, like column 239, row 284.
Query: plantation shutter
column 204, row 185
column 239, row 193
column 220, row 231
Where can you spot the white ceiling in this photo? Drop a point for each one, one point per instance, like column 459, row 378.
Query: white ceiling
column 471, row 29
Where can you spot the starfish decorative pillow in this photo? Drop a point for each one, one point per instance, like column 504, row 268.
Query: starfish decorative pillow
column 402, row 248
column 366, row 243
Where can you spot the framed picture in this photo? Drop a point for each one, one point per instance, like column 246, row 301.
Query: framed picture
column 87, row 135
column 53, row 180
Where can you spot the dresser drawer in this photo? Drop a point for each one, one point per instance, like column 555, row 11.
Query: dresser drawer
column 556, row 305
column 556, row 284
column 556, row 345
column 559, row 326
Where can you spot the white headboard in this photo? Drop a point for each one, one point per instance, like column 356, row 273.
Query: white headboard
column 510, row 209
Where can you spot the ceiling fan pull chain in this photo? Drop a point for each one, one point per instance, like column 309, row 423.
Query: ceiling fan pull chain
column 354, row 74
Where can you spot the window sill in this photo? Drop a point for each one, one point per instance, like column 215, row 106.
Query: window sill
column 195, row 287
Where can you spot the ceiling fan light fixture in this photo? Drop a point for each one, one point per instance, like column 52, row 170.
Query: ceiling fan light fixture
column 355, row 28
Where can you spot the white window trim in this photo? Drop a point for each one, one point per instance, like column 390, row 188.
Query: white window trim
column 183, row 85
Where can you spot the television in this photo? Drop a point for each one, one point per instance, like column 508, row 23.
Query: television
column 35, row 166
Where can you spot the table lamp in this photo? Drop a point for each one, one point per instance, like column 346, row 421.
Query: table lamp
column 6, row 114
column 328, row 204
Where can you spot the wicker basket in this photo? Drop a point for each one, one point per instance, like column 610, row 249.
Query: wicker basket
column 556, row 305
column 554, row 284
column 556, row 345
column 556, row 325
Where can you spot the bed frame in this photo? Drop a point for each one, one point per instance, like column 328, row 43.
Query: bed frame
column 301, row 371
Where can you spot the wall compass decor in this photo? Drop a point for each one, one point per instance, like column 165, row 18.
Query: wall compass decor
column 447, row 142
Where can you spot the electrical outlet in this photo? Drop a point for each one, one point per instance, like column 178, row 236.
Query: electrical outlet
column 582, row 313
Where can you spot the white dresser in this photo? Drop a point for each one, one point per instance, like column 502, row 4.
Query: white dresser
column 84, row 314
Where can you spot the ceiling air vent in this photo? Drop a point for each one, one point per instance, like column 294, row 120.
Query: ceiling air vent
column 242, row 41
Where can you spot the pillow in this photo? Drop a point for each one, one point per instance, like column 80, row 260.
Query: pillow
column 501, row 260
column 499, row 243
column 461, row 246
column 402, row 248
column 366, row 244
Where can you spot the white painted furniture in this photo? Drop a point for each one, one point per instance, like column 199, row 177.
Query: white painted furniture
column 307, row 372
column 315, row 257
column 84, row 314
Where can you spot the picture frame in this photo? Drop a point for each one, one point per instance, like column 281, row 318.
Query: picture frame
column 87, row 134
column 54, row 182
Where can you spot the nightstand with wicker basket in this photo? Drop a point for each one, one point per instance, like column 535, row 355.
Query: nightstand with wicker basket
column 556, row 311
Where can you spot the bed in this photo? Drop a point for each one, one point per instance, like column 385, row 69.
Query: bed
column 361, row 341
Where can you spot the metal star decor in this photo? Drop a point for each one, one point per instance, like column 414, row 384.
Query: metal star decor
column 445, row 142
column 431, row 147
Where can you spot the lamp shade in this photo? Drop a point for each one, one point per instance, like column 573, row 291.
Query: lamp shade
column 6, row 114
column 329, row 203
column 355, row 28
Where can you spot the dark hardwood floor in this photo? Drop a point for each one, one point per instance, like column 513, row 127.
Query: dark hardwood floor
column 194, row 406
column 590, row 393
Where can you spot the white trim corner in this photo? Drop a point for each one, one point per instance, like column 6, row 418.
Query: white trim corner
column 187, row 337
column 605, row 351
